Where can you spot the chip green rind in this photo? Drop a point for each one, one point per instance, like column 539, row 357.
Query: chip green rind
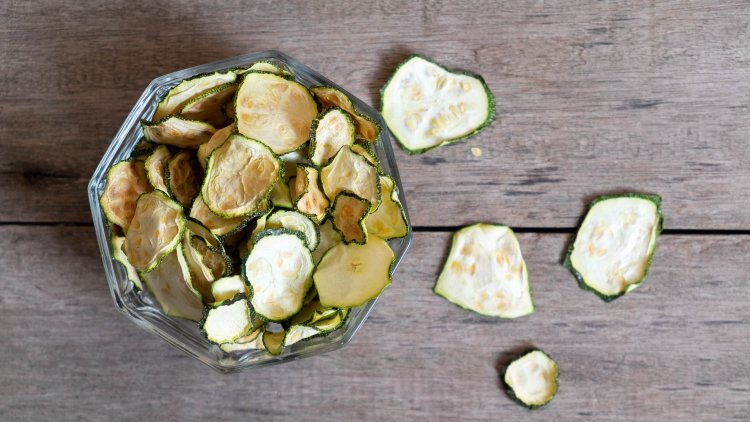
column 314, row 132
column 119, row 255
column 490, row 98
column 656, row 199
column 200, row 132
column 512, row 393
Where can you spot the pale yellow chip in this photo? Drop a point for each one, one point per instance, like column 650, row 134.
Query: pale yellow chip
column 126, row 181
column 389, row 220
column 349, row 171
column 155, row 231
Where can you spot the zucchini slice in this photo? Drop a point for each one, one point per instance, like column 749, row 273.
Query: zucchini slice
column 332, row 130
column 170, row 284
column 218, row 138
column 180, row 95
column 329, row 237
column 156, row 168
column 142, row 149
column 214, row 258
column 312, row 313
column 297, row 221
column 531, row 379
column 297, row 333
column 208, row 107
column 178, row 131
column 349, row 213
column 275, row 111
column 352, row 275
column 485, row 273
column 280, row 196
column 126, row 181
column 200, row 274
column 228, row 287
column 119, row 255
column 351, row 172
column 251, row 341
column 278, row 271
column 218, row 225
column 228, row 321
column 183, row 178
column 389, row 220
column 273, row 342
column 306, row 194
column 426, row 105
column 155, row 231
column 329, row 97
column 366, row 152
column 240, row 176
column 615, row 245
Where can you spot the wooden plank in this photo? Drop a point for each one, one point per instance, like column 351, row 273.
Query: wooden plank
column 674, row 349
column 593, row 97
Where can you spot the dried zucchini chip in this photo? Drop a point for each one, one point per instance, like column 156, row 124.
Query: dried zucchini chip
column 485, row 273
column 273, row 342
column 297, row 221
column 170, row 284
column 329, row 237
column 275, row 111
column 179, row 132
column 348, row 171
column 180, row 95
column 349, row 213
column 280, row 196
column 352, row 275
column 333, row 129
column 228, row 287
column 252, row 341
column 389, row 220
column 201, row 275
column 183, row 178
column 218, row 138
column 366, row 152
column 155, row 231
column 615, row 244
column 218, row 225
column 297, row 333
column 306, row 194
column 278, row 270
column 209, row 107
column 240, row 176
column 156, row 168
column 142, row 149
column 328, row 97
column 227, row 321
column 119, row 255
column 426, row 106
column 531, row 379
column 126, row 181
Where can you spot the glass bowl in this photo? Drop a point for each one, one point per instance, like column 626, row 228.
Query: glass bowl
column 139, row 305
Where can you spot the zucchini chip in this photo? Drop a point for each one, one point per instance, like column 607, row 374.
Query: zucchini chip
column 275, row 111
column 615, row 245
column 297, row 221
column 331, row 131
column 218, row 138
column 352, row 275
column 366, row 152
column 389, row 220
column 349, row 212
column 119, row 255
column 156, row 168
column 273, row 342
column 306, row 194
column 278, row 270
column 531, row 379
column 180, row 95
column 228, row 287
column 252, row 341
column 183, row 178
column 170, row 284
column 209, row 107
column 329, row 237
column 240, row 176
column 227, row 321
column 485, row 273
column 155, row 231
column 126, row 181
column 200, row 275
column 280, row 196
column 214, row 258
column 179, row 132
column 351, row 172
column 218, row 225
column 297, row 333
column 426, row 106
column 329, row 97
column 142, row 149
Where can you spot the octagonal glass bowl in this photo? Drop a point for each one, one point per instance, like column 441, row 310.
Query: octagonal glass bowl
column 139, row 305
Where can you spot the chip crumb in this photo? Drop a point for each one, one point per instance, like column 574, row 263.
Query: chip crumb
column 476, row 152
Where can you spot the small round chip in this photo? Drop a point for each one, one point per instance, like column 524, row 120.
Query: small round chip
column 532, row 379
column 349, row 171
column 126, row 181
column 329, row 132
column 155, row 231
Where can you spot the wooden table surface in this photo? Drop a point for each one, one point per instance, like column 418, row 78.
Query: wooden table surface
column 593, row 97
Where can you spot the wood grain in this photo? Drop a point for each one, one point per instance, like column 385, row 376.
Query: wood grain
column 674, row 349
column 593, row 97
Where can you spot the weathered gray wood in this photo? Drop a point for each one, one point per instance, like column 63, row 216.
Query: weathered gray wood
column 593, row 97
column 674, row 349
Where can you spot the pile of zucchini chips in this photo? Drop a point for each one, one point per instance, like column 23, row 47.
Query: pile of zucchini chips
column 255, row 206
column 426, row 106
